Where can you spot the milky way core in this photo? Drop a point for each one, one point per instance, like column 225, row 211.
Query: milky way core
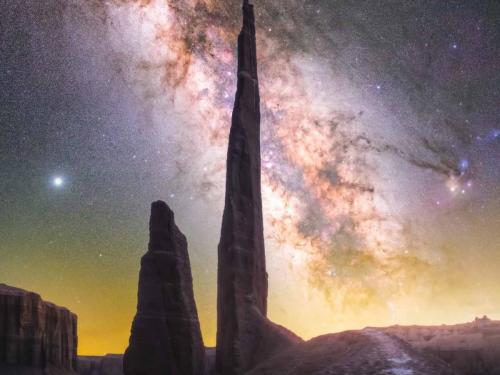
column 379, row 155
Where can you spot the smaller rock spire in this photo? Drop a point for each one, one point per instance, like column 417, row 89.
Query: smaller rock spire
column 165, row 336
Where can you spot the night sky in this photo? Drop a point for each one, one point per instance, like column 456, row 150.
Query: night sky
column 380, row 141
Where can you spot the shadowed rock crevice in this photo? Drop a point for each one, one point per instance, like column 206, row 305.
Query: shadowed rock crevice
column 166, row 336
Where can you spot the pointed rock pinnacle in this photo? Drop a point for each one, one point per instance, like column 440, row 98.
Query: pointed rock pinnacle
column 244, row 335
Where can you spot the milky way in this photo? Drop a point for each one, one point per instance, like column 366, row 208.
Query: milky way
column 379, row 146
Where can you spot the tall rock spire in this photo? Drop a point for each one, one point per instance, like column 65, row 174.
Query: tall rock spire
column 165, row 336
column 244, row 335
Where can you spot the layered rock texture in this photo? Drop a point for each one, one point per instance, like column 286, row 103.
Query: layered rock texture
column 35, row 336
column 471, row 348
column 165, row 336
column 245, row 336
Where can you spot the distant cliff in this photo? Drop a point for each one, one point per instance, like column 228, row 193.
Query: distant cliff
column 110, row 364
column 36, row 337
column 471, row 348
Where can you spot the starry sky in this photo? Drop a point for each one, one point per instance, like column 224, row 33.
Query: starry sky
column 380, row 155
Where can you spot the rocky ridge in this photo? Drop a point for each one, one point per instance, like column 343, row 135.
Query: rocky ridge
column 366, row 352
column 471, row 348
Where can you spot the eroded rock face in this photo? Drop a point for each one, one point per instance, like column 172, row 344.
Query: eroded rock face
column 245, row 336
column 34, row 334
column 165, row 336
column 471, row 348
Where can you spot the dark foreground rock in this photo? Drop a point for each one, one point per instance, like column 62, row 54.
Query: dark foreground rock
column 367, row 352
column 245, row 336
column 35, row 336
column 165, row 336
column 471, row 348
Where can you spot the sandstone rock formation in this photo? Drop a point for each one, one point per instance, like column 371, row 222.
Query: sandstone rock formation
column 471, row 348
column 367, row 352
column 244, row 335
column 165, row 336
column 35, row 336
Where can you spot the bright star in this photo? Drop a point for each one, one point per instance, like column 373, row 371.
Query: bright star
column 452, row 184
column 58, row 181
